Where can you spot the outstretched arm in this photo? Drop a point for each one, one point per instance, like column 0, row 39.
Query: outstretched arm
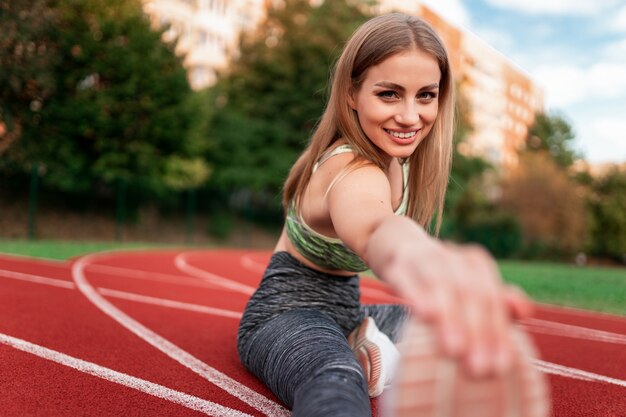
column 457, row 288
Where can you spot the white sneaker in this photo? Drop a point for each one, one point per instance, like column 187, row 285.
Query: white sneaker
column 377, row 355
column 430, row 385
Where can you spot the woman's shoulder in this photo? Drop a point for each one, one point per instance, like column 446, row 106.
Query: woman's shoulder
column 350, row 173
column 343, row 164
column 335, row 151
column 340, row 155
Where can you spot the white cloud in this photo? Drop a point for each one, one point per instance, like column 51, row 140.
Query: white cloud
column 603, row 139
column 583, row 7
column 452, row 10
column 586, row 84
column 619, row 21
column 566, row 85
column 615, row 52
column 502, row 41
column 562, row 85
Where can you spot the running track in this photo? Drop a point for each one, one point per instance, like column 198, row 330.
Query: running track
column 153, row 334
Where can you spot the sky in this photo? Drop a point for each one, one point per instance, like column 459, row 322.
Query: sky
column 575, row 50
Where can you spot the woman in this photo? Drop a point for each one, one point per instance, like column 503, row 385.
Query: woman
column 362, row 195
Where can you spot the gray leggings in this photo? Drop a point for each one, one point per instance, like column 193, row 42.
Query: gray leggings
column 293, row 333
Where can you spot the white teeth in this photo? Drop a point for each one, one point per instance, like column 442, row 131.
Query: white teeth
column 401, row 135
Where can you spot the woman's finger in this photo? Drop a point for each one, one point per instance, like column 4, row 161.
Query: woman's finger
column 518, row 304
column 449, row 315
column 490, row 349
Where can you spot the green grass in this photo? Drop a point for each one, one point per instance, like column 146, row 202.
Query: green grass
column 592, row 288
column 61, row 250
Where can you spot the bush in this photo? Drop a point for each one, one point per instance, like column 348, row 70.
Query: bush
column 221, row 225
column 500, row 234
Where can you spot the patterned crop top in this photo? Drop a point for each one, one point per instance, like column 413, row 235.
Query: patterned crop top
column 327, row 252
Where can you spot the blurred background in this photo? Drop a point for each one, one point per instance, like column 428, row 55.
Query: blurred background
column 176, row 121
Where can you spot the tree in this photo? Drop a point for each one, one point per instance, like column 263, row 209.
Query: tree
column 549, row 205
column 27, row 55
column 553, row 134
column 470, row 214
column 544, row 194
column 115, row 104
column 465, row 193
column 607, row 203
column 269, row 101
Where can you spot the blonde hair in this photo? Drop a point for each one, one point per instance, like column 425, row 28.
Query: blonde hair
column 373, row 42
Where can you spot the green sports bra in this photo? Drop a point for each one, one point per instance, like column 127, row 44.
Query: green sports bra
column 327, row 252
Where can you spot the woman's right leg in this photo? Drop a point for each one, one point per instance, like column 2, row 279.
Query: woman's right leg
column 429, row 384
column 304, row 358
column 390, row 318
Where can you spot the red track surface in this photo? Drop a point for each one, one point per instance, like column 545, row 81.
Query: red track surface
column 153, row 334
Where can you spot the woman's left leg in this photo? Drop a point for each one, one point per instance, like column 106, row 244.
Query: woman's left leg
column 304, row 358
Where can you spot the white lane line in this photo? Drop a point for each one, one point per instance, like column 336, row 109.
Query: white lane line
column 251, row 265
column 169, row 303
column 573, row 311
column 186, row 400
column 566, row 371
column 148, row 276
column 533, row 325
column 182, row 264
column 115, row 271
column 36, row 279
column 162, row 302
column 183, row 357
column 577, row 332
column 258, row 267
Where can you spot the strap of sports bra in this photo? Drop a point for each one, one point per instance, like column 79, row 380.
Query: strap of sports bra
column 405, row 173
column 336, row 151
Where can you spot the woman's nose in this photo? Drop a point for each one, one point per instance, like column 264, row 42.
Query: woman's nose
column 408, row 114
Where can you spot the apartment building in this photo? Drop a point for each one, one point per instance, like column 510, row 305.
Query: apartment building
column 502, row 97
column 206, row 31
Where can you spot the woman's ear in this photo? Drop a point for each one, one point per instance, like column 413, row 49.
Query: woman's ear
column 352, row 98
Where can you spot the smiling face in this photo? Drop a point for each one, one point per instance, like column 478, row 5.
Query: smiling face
column 397, row 102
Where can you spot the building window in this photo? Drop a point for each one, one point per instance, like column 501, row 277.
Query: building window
column 203, row 38
column 199, row 76
column 516, row 90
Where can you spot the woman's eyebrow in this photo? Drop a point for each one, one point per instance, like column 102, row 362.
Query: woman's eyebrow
column 389, row 84
column 394, row 86
column 432, row 86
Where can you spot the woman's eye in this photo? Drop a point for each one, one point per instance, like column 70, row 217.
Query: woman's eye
column 427, row 95
column 387, row 94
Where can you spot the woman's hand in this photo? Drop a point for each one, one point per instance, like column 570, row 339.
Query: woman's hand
column 456, row 288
